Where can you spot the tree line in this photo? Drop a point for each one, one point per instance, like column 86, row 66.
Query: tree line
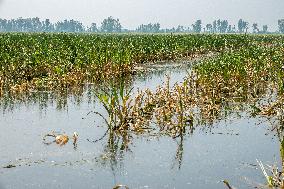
column 111, row 25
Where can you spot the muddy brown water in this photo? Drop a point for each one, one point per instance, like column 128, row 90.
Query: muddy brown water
column 227, row 149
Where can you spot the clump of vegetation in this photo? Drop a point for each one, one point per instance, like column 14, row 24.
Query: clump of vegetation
column 170, row 108
column 276, row 177
column 121, row 111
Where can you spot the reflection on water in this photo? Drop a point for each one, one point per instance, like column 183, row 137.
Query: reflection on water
column 85, row 94
column 199, row 158
column 44, row 99
column 179, row 152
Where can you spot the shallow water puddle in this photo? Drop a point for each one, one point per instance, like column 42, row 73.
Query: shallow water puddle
column 227, row 149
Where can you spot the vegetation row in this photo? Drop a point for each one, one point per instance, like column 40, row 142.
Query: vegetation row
column 47, row 60
column 111, row 24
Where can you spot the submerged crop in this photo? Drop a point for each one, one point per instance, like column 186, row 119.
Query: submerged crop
column 214, row 88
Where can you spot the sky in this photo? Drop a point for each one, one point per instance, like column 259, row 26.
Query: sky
column 169, row 13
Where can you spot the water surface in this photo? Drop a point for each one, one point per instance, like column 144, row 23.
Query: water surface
column 226, row 149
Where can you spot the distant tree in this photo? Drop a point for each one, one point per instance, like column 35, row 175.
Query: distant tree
column 22, row 25
column 209, row 28
column 69, row 26
column 171, row 30
column 223, row 26
column 36, row 24
column 255, row 28
column 230, row 29
column 3, row 25
column 150, row 28
column 180, row 29
column 93, row 28
column 281, row 25
column 242, row 26
column 220, row 26
column 48, row 26
column 264, row 29
column 156, row 27
column 214, row 26
column 197, row 26
column 234, row 29
column 111, row 25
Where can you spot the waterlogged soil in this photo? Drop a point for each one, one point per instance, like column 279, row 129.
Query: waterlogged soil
column 224, row 150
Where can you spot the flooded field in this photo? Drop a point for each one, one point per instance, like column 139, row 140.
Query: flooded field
column 225, row 149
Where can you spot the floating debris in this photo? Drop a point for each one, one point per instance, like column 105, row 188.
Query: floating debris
column 227, row 184
column 9, row 166
column 60, row 139
column 120, row 186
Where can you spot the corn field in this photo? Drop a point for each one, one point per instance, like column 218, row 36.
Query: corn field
column 41, row 60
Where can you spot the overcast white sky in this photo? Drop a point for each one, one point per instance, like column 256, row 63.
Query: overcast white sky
column 134, row 12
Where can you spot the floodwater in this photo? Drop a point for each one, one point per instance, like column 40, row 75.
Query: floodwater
column 224, row 150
